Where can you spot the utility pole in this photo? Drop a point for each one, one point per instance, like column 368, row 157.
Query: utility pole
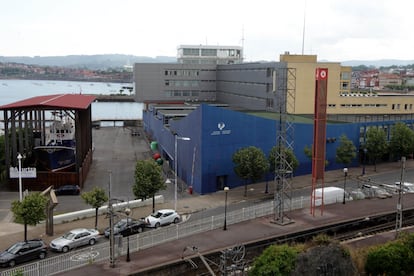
column 398, row 222
column 111, row 226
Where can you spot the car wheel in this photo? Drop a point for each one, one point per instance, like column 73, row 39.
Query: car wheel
column 42, row 255
column 176, row 220
column 157, row 225
column 92, row 242
column 65, row 249
column 139, row 230
column 12, row 263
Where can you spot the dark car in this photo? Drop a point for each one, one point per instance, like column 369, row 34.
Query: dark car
column 23, row 251
column 68, row 190
column 127, row 227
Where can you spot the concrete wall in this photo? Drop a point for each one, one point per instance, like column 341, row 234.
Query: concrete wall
column 87, row 213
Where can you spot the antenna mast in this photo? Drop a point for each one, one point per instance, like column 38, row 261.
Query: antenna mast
column 303, row 30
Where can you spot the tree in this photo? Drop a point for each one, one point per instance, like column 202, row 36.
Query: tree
column 289, row 155
column 30, row 211
column 376, row 144
column 346, row 151
column 275, row 260
column 148, row 180
column 308, row 152
column 250, row 164
column 96, row 198
column 402, row 140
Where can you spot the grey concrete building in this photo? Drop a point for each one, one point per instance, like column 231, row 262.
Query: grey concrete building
column 174, row 82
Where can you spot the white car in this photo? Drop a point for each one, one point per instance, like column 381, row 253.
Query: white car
column 162, row 217
column 74, row 238
column 406, row 187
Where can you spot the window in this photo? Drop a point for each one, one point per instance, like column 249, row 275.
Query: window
column 345, row 75
column 208, row 52
column 190, row 52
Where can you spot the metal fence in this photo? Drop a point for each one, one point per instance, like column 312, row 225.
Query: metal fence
column 100, row 251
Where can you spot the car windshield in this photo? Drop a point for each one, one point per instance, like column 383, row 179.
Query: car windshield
column 120, row 223
column 14, row 248
column 68, row 236
column 157, row 215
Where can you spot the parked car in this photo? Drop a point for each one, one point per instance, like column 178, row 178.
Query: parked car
column 406, row 187
column 68, row 190
column 162, row 217
column 372, row 191
column 23, row 251
column 74, row 238
column 357, row 194
column 127, row 227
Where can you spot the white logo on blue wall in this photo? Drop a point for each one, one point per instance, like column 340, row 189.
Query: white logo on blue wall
column 221, row 130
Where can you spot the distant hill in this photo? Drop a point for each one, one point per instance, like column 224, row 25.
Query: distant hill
column 93, row 62
column 102, row 62
column 378, row 63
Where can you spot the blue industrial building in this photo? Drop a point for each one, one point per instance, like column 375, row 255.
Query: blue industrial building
column 205, row 161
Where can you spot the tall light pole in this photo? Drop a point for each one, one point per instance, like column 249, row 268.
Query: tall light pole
column 365, row 161
column 128, row 212
column 19, row 158
column 175, row 166
column 345, row 175
column 226, row 190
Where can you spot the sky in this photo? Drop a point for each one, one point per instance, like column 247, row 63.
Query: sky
column 334, row 30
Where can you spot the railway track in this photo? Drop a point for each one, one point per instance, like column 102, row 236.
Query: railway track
column 345, row 231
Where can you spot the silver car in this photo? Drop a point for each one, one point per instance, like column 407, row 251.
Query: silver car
column 162, row 217
column 74, row 238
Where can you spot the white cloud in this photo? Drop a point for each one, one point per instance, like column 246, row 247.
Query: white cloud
column 335, row 30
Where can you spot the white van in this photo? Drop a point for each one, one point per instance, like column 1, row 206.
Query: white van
column 330, row 195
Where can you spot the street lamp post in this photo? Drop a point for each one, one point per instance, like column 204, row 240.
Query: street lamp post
column 345, row 175
column 226, row 190
column 128, row 212
column 19, row 158
column 175, row 166
column 365, row 161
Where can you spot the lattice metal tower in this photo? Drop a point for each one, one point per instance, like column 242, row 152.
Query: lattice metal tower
column 284, row 88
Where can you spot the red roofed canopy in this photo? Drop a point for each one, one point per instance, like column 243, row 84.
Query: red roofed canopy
column 59, row 101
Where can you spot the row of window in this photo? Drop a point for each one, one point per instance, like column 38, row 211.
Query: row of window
column 385, row 128
column 359, row 105
column 181, row 93
column 211, row 52
column 393, row 107
column 182, row 83
column 406, row 107
column 187, row 73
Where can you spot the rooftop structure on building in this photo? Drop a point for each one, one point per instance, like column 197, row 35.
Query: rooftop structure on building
column 208, row 54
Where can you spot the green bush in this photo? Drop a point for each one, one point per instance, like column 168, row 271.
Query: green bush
column 394, row 258
column 276, row 260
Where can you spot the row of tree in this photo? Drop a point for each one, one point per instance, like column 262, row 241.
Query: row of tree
column 251, row 163
column 148, row 181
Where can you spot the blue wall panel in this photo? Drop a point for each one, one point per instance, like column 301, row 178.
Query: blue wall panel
column 205, row 162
